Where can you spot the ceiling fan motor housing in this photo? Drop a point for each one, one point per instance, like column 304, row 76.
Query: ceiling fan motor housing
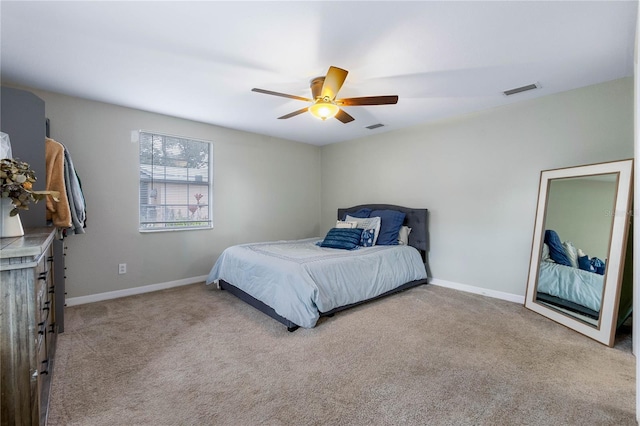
column 316, row 87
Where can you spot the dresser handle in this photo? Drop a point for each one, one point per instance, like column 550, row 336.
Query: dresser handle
column 50, row 259
column 46, row 361
column 43, row 275
column 41, row 325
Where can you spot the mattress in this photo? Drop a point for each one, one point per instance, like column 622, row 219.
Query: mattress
column 572, row 284
column 300, row 279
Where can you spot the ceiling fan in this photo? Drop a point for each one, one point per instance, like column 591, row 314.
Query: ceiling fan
column 324, row 103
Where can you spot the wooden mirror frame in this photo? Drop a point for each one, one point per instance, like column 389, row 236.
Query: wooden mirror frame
column 604, row 332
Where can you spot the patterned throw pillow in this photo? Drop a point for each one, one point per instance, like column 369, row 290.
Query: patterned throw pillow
column 342, row 238
column 367, row 238
column 368, row 223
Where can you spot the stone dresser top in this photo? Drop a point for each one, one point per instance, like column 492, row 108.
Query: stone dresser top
column 26, row 249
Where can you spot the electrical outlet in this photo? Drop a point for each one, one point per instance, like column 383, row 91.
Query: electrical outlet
column 122, row 268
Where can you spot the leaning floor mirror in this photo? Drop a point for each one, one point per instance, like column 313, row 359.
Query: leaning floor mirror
column 579, row 245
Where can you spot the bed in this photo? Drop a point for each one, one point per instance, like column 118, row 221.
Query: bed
column 297, row 282
column 568, row 278
column 570, row 288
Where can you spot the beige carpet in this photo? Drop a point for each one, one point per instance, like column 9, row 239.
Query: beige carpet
column 429, row 356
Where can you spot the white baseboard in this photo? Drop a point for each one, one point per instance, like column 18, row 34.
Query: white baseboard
column 81, row 300
column 478, row 290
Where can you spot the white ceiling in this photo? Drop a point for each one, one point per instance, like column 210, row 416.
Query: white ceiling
column 199, row 60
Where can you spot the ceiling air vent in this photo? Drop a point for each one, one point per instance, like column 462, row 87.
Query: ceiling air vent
column 374, row 126
column 521, row 89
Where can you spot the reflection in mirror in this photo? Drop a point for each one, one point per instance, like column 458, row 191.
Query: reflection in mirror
column 576, row 244
column 578, row 247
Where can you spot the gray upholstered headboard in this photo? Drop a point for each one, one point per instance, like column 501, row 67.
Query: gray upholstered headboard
column 416, row 219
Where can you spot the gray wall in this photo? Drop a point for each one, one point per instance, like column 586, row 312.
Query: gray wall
column 479, row 174
column 264, row 189
column 581, row 210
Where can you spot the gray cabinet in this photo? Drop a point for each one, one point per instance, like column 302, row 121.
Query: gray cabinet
column 27, row 326
column 31, row 306
column 22, row 117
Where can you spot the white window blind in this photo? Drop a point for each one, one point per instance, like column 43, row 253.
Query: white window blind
column 175, row 183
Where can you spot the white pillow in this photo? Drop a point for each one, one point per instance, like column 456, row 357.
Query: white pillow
column 572, row 253
column 403, row 236
column 346, row 224
column 367, row 223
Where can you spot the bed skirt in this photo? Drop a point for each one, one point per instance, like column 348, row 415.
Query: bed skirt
column 262, row 307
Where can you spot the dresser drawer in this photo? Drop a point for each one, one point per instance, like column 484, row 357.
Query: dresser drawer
column 43, row 355
column 42, row 304
column 41, row 350
column 44, row 288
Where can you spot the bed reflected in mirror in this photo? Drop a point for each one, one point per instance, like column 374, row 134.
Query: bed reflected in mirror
column 576, row 245
column 579, row 245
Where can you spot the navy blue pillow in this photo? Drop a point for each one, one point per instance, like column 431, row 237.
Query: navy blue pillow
column 556, row 249
column 598, row 265
column 585, row 264
column 390, row 223
column 342, row 238
column 362, row 213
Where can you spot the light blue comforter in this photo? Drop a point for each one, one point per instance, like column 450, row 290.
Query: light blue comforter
column 299, row 279
column 572, row 284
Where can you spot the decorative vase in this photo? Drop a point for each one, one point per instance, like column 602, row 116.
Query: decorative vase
column 10, row 226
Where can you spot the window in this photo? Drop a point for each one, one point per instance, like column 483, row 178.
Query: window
column 175, row 183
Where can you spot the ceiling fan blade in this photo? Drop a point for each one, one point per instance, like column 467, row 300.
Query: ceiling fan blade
column 344, row 117
column 284, row 95
column 333, row 82
column 294, row 113
column 368, row 100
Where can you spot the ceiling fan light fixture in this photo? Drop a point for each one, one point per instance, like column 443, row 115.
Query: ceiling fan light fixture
column 324, row 110
column 325, row 103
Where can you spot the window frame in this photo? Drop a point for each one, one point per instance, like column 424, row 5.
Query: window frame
column 210, row 185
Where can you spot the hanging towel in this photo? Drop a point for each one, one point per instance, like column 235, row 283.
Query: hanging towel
column 57, row 212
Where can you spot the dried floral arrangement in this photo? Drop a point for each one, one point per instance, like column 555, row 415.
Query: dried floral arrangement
column 16, row 182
